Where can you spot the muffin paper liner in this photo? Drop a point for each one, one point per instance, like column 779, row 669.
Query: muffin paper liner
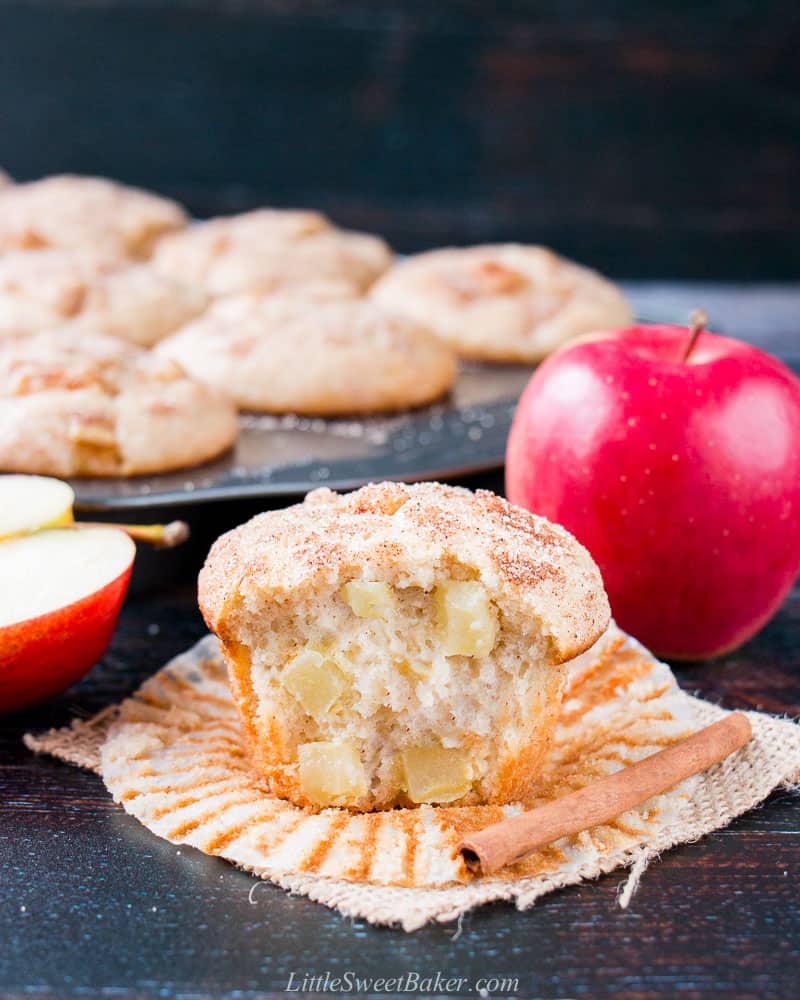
column 174, row 757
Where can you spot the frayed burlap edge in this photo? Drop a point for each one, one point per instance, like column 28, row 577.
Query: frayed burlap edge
column 78, row 743
column 724, row 792
column 743, row 781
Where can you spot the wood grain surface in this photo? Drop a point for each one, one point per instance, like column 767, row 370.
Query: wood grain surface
column 648, row 139
column 92, row 904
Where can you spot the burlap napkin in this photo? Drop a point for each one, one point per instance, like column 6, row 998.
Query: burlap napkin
column 172, row 755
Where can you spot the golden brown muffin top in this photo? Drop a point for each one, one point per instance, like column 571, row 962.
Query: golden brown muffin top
column 527, row 563
column 68, row 210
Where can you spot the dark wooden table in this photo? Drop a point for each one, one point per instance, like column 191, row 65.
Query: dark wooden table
column 643, row 138
column 92, row 904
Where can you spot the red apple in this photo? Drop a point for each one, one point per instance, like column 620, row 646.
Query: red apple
column 60, row 594
column 680, row 474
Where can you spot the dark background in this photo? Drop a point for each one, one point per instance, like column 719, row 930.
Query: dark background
column 649, row 139
column 652, row 140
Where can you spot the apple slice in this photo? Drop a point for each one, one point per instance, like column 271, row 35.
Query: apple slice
column 60, row 593
column 29, row 503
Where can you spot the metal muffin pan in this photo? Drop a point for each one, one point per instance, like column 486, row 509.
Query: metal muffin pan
column 285, row 456
column 281, row 457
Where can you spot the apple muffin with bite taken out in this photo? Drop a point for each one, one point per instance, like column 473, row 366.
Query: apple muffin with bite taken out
column 400, row 644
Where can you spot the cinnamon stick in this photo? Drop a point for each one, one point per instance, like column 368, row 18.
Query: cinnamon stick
column 503, row 843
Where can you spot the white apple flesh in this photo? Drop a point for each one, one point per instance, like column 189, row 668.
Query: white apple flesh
column 30, row 503
column 60, row 594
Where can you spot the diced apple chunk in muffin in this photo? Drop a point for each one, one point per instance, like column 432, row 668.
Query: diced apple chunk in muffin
column 436, row 774
column 331, row 773
column 368, row 599
column 467, row 619
column 315, row 681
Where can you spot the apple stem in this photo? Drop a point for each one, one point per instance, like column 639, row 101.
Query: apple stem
column 697, row 324
column 161, row 536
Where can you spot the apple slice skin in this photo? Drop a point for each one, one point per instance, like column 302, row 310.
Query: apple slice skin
column 41, row 656
column 682, row 478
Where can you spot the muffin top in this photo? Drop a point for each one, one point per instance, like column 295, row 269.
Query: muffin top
column 79, row 288
column 71, row 211
column 269, row 249
column 69, row 360
column 503, row 302
column 79, row 403
column 524, row 561
column 319, row 352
